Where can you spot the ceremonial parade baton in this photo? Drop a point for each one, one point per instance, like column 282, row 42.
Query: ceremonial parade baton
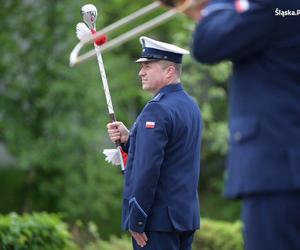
column 83, row 30
column 189, row 7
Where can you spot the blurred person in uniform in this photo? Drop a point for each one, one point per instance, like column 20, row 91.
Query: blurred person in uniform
column 262, row 39
column 160, row 198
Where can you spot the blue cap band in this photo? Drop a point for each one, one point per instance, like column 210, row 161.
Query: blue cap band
column 157, row 54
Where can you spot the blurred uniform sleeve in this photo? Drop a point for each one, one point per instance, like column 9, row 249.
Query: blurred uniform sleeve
column 233, row 29
column 148, row 157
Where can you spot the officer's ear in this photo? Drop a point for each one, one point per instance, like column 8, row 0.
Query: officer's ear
column 170, row 69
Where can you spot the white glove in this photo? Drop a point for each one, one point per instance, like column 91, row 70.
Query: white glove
column 112, row 156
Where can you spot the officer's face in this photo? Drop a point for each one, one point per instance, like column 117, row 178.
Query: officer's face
column 153, row 76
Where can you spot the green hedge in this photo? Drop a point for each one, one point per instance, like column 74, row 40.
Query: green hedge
column 114, row 243
column 34, row 232
column 218, row 235
column 214, row 235
column 42, row 231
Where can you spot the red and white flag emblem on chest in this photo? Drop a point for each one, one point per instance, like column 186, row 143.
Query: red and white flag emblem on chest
column 150, row 125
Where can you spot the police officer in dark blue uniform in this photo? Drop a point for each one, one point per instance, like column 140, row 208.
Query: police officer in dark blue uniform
column 262, row 39
column 160, row 199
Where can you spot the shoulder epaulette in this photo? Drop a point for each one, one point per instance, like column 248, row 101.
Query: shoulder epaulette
column 157, row 98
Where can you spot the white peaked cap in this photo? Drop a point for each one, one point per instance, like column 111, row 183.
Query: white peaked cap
column 154, row 50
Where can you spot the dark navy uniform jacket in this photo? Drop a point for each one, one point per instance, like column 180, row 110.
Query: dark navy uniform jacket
column 264, row 46
column 161, row 176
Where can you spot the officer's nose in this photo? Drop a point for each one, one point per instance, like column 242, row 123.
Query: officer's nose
column 141, row 72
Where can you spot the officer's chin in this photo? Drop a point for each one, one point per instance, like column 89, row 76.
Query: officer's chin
column 144, row 85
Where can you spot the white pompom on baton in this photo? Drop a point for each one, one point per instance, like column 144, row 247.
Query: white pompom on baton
column 83, row 30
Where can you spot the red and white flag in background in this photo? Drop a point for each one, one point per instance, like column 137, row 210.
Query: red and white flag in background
column 241, row 5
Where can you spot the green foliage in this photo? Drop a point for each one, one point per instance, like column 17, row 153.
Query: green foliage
column 114, row 243
column 215, row 206
column 218, row 235
column 34, row 232
column 54, row 117
column 12, row 194
column 214, row 235
column 48, row 232
column 93, row 240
